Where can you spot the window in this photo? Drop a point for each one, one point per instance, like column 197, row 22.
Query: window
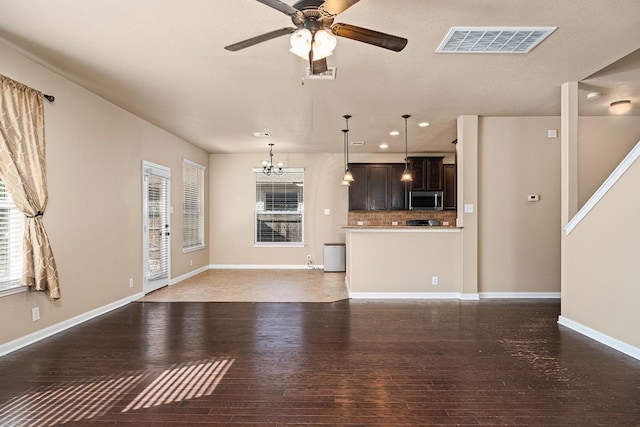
column 192, row 206
column 11, row 240
column 279, row 208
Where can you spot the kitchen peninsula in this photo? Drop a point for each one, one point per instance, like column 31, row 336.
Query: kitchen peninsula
column 403, row 261
column 391, row 252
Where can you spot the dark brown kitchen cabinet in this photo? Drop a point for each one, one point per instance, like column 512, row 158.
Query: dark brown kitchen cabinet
column 450, row 194
column 359, row 188
column 427, row 173
column 377, row 187
column 398, row 196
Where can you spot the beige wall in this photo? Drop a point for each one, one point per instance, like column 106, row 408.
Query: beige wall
column 467, row 180
column 232, row 203
column 601, row 289
column 94, row 156
column 603, row 143
column 403, row 261
column 519, row 241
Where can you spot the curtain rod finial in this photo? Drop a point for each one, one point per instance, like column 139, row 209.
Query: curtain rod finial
column 49, row 98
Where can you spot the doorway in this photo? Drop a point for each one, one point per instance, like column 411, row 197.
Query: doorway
column 156, row 227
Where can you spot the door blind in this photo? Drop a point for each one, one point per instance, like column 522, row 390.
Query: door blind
column 158, row 226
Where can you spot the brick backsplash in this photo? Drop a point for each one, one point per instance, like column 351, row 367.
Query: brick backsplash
column 386, row 218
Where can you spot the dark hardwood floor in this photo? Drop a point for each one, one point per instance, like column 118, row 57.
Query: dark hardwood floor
column 349, row 363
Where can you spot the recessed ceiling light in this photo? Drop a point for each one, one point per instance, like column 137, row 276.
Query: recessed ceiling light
column 262, row 134
column 423, row 124
column 594, row 95
column 394, row 133
column 384, row 145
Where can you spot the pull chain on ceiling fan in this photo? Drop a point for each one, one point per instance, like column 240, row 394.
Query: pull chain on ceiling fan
column 314, row 30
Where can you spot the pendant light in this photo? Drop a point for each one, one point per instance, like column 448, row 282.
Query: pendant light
column 406, row 175
column 347, row 179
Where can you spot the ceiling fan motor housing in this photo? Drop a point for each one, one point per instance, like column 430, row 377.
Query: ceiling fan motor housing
column 313, row 19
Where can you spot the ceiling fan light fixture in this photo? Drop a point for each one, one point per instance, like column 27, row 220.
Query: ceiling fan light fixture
column 620, row 107
column 323, row 44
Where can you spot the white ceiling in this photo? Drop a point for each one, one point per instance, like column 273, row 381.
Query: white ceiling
column 164, row 61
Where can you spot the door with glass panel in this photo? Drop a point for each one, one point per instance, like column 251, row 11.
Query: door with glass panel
column 156, row 228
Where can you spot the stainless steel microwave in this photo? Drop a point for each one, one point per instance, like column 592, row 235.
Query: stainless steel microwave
column 425, row 200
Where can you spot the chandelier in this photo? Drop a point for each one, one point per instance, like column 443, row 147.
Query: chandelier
column 267, row 166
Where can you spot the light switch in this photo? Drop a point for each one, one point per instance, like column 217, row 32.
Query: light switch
column 552, row 133
column 533, row 197
column 468, row 208
column 327, row 211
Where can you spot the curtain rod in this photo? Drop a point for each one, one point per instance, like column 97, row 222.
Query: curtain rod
column 49, row 98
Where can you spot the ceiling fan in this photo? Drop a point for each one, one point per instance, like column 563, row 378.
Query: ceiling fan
column 312, row 36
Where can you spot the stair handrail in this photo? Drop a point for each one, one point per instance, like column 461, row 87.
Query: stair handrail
column 618, row 172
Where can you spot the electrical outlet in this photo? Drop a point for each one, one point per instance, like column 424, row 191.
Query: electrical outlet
column 434, row 280
column 131, row 282
column 308, row 259
column 191, row 262
column 394, row 222
column 35, row 313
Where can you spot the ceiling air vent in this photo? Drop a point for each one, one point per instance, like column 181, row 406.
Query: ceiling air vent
column 330, row 74
column 493, row 39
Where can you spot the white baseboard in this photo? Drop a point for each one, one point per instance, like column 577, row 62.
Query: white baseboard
column 59, row 327
column 404, row 295
column 264, row 267
column 616, row 344
column 179, row 279
column 452, row 295
column 515, row 295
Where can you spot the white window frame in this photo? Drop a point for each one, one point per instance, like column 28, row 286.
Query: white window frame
column 259, row 176
column 191, row 167
column 11, row 284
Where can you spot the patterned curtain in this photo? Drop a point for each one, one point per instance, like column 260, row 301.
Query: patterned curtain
column 22, row 169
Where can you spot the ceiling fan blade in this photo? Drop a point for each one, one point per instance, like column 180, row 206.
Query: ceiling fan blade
column 283, row 7
column 364, row 35
column 259, row 39
column 334, row 7
column 319, row 66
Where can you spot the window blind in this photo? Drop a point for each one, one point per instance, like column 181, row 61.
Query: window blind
column 11, row 240
column 192, row 205
column 279, row 209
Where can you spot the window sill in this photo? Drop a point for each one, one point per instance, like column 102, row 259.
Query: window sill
column 193, row 249
column 5, row 292
column 278, row 245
